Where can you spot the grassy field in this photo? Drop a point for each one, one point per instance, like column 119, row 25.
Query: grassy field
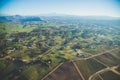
column 118, row 69
column 116, row 53
column 50, row 25
column 108, row 59
column 97, row 50
column 15, row 27
column 96, row 78
column 6, row 70
column 109, row 75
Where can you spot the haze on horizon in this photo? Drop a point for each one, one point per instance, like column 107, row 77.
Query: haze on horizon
column 70, row 7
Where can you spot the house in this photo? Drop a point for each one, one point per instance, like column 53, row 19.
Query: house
column 10, row 51
column 81, row 55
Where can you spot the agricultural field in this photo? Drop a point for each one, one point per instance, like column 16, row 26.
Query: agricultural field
column 110, row 59
column 116, row 53
column 66, row 71
column 89, row 67
column 118, row 68
column 98, row 77
column 109, row 75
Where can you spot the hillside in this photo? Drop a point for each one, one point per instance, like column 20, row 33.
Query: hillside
column 59, row 48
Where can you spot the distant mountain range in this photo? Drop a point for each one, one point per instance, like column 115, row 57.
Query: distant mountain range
column 80, row 17
column 19, row 18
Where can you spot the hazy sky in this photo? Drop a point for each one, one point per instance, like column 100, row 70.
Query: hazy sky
column 71, row 7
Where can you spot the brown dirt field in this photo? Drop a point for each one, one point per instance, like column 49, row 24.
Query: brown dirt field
column 66, row 71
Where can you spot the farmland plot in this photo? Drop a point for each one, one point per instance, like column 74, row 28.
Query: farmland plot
column 66, row 71
column 97, row 78
column 108, row 59
column 88, row 67
column 109, row 75
column 118, row 69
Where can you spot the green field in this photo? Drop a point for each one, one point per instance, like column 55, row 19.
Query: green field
column 89, row 67
column 109, row 59
column 109, row 75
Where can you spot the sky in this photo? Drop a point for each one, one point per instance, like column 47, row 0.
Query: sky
column 70, row 7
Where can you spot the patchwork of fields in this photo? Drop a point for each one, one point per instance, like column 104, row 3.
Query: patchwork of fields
column 59, row 48
column 102, row 67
